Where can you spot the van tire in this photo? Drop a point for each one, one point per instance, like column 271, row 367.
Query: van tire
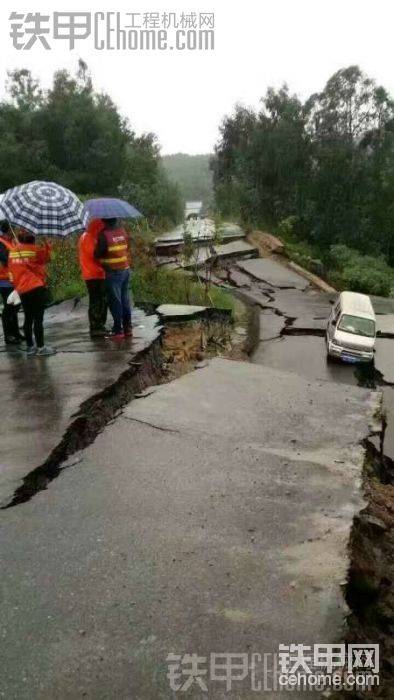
column 329, row 358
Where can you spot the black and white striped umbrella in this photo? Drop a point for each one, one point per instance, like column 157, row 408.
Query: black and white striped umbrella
column 43, row 208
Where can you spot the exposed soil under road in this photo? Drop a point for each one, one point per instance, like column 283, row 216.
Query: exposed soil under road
column 175, row 351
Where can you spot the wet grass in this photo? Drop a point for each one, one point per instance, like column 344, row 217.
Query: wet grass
column 159, row 286
column 150, row 284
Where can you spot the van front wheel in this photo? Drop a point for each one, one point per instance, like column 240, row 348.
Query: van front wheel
column 328, row 356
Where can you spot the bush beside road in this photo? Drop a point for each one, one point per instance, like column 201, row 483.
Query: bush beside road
column 150, row 284
column 339, row 265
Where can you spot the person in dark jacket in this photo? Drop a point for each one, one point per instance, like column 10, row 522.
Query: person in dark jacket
column 112, row 251
column 9, row 316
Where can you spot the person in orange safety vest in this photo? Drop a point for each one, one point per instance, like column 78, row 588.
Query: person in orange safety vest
column 27, row 269
column 94, row 275
column 112, row 251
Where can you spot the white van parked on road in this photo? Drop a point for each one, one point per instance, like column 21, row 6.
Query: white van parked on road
column 351, row 328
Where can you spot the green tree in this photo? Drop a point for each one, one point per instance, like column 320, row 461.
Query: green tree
column 262, row 160
column 327, row 163
column 347, row 123
column 77, row 137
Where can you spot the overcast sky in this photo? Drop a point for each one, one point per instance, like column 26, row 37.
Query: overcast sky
column 183, row 95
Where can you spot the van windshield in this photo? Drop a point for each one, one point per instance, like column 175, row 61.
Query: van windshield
column 357, row 325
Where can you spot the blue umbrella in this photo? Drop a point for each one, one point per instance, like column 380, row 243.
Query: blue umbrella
column 109, row 208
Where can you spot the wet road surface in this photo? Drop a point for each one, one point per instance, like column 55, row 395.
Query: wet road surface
column 293, row 317
column 40, row 395
column 211, row 516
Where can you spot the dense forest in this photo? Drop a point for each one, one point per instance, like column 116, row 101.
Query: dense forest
column 75, row 136
column 192, row 174
column 320, row 170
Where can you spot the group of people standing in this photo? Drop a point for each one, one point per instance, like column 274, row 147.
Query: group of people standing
column 104, row 257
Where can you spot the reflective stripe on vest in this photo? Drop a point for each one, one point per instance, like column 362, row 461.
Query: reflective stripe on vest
column 19, row 254
column 114, row 249
column 111, row 261
column 27, row 271
column 123, row 246
column 117, row 253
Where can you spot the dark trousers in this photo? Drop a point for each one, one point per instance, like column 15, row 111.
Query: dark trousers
column 97, row 304
column 33, row 304
column 9, row 317
column 118, row 292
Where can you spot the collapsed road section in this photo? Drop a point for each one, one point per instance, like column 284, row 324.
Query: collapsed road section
column 213, row 515
column 293, row 317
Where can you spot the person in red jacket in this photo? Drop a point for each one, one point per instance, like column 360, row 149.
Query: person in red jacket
column 26, row 265
column 9, row 315
column 94, row 275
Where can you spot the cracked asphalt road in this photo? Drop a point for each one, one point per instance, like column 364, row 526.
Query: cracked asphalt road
column 293, row 319
column 41, row 396
column 212, row 516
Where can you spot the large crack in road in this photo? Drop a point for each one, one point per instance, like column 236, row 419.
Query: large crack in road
column 59, row 406
column 92, row 417
column 205, row 481
column 292, row 330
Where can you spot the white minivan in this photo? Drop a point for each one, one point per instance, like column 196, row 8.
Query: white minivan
column 351, row 328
